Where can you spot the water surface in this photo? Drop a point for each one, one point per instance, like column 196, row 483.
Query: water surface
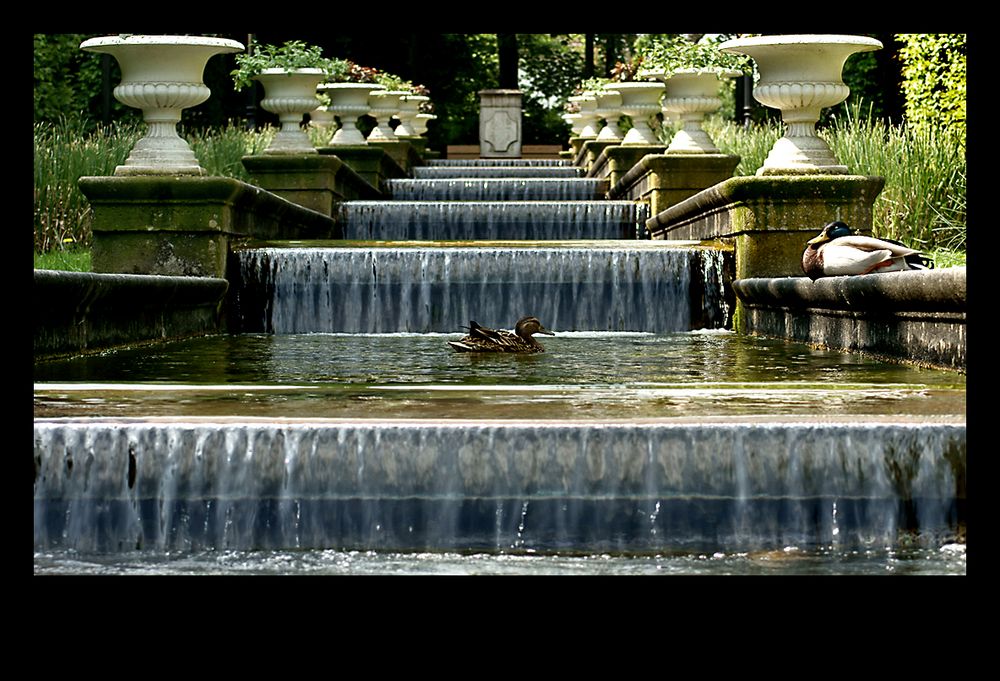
column 581, row 375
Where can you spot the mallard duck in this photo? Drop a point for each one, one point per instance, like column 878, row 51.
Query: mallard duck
column 482, row 339
column 838, row 251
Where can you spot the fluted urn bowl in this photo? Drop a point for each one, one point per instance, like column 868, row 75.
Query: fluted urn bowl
column 290, row 94
column 384, row 105
column 349, row 102
column 161, row 75
column 640, row 102
column 801, row 75
column 690, row 95
column 420, row 122
column 409, row 107
column 588, row 120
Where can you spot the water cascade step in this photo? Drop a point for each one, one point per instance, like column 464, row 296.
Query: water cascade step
column 494, row 200
column 593, row 286
column 120, row 486
column 491, row 221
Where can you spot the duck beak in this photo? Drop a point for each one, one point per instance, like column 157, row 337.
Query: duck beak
column 545, row 331
column 818, row 239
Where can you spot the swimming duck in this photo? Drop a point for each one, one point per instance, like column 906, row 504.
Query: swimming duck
column 838, row 251
column 482, row 339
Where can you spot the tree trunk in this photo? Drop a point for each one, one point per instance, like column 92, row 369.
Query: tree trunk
column 507, row 52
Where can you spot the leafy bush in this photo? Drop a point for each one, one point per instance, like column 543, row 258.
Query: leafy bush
column 934, row 73
column 294, row 54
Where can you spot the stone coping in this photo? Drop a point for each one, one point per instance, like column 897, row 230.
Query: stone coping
column 770, row 190
column 941, row 290
column 81, row 312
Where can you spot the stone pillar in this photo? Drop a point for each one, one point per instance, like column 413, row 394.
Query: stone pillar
column 184, row 225
column 500, row 124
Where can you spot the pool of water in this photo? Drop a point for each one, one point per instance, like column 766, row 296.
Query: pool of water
column 581, row 375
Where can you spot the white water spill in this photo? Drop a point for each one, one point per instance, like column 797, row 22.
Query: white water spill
column 482, row 220
column 601, row 286
column 491, row 189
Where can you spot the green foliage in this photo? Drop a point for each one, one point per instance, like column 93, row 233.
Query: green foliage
column 934, row 73
column 669, row 53
column 220, row 150
column 294, row 54
column 67, row 79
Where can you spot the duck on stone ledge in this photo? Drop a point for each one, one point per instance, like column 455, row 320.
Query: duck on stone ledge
column 483, row 339
column 837, row 251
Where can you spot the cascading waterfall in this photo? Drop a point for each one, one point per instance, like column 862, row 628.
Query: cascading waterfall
column 491, row 221
column 503, row 189
column 413, row 486
column 620, row 287
column 494, row 172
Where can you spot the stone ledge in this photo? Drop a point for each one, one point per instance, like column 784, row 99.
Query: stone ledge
column 82, row 312
column 915, row 316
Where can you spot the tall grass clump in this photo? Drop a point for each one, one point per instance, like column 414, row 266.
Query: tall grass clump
column 924, row 199
column 220, row 150
column 65, row 152
column 751, row 143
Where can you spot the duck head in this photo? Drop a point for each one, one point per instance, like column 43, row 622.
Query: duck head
column 528, row 326
column 832, row 230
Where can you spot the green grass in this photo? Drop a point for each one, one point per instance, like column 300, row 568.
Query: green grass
column 66, row 260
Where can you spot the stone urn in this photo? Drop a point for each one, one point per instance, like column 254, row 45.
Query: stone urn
column 349, row 102
column 407, row 115
column 609, row 107
column 640, row 102
column 690, row 95
column 420, row 122
column 589, row 119
column 290, row 94
column 161, row 75
column 384, row 105
column 800, row 75
column 321, row 118
column 573, row 121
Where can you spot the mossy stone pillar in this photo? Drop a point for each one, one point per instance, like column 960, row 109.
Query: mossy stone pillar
column 770, row 218
column 309, row 180
column 591, row 152
column 621, row 158
column 672, row 178
column 184, row 225
column 370, row 161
